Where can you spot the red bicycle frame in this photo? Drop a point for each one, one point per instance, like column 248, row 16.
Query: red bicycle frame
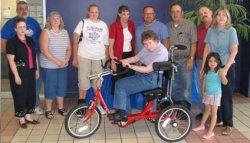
column 146, row 113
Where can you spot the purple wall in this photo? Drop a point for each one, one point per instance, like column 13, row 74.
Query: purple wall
column 73, row 11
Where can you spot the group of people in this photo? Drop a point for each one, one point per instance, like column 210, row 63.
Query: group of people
column 211, row 48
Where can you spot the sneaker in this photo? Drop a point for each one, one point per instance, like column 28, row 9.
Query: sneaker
column 81, row 112
column 103, row 112
column 39, row 111
column 227, row 131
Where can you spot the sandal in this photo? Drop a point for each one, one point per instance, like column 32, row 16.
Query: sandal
column 62, row 111
column 32, row 121
column 49, row 115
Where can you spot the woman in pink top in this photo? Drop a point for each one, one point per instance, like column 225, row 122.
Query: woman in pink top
column 23, row 72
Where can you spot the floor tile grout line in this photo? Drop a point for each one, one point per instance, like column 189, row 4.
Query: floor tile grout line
column 135, row 132
column 150, row 130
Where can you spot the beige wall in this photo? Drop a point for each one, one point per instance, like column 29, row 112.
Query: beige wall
column 7, row 5
column 11, row 5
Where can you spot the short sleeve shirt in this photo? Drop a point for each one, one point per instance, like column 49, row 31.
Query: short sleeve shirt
column 17, row 48
column 147, row 57
column 185, row 33
column 95, row 37
column 221, row 41
column 33, row 30
column 159, row 28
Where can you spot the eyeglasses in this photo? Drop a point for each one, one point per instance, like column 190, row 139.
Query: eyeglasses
column 148, row 13
column 21, row 27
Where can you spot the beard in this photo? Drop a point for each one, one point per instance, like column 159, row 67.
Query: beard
column 204, row 18
column 24, row 15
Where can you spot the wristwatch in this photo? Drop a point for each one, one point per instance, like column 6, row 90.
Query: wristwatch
column 191, row 57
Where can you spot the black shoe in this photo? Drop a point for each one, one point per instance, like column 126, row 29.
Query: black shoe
column 81, row 101
column 199, row 116
column 118, row 117
column 111, row 116
column 81, row 112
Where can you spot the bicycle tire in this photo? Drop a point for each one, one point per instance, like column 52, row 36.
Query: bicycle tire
column 80, row 129
column 175, row 129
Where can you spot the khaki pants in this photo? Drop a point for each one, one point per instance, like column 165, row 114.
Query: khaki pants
column 87, row 67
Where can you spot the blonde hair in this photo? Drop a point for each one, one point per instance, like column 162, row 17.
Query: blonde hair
column 228, row 23
column 90, row 6
column 51, row 14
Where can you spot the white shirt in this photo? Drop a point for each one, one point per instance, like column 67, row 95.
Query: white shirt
column 95, row 37
column 127, row 40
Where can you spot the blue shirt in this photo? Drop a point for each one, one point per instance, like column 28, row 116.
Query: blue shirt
column 159, row 28
column 159, row 54
column 8, row 30
column 213, row 83
column 221, row 41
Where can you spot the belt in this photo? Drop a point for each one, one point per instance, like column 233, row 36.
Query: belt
column 181, row 57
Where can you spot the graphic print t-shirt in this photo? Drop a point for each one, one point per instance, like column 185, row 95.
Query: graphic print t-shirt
column 95, row 37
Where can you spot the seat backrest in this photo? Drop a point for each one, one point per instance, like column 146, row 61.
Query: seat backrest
column 166, row 69
column 162, row 66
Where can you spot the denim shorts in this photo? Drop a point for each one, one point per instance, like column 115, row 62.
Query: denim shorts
column 55, row 82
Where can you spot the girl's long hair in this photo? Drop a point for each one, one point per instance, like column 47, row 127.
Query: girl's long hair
column 217, row 58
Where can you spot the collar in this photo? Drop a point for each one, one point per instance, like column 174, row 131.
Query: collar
column 221, row 30
column 182, row 22
column 120, row 23
column 150, row 23
column 202, row 25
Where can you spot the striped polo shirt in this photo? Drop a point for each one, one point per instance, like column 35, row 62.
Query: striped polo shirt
column 58, row 43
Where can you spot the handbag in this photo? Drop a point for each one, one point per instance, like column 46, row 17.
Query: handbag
column 80, row 39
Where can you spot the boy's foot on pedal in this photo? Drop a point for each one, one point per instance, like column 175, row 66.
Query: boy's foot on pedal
column 118, row 116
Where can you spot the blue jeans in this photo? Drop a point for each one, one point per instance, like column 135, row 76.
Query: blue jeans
column 199, row 84
column 38, row 82
column 182, row 84
column 225, row 111
column 129, row 85
column 55, row 82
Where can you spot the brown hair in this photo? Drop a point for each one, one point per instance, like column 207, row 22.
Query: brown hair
column 174, row 4
column 149, row 35
column 148, row 6
column 121, row 9
column 228, row 23
column 90, row 6
column 17, row 20
column 217, row 58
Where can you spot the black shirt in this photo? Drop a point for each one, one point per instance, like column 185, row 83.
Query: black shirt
column 16, row 47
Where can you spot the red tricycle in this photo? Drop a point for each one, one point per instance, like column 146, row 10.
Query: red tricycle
column 172, row 122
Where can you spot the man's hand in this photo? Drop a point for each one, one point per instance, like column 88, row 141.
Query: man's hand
column 190, row 64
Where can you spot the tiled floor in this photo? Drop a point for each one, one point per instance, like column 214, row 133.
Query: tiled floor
column 53, row 131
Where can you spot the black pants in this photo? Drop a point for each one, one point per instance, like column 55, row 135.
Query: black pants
column 24, row 95
column 119, row 68
column 225, row 111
